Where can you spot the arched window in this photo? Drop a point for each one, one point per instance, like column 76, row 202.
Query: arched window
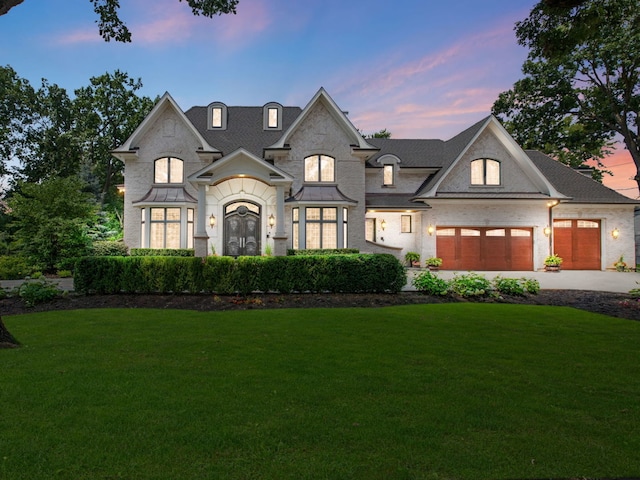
column 168, row 170
column 485, row 171
column 319, row 168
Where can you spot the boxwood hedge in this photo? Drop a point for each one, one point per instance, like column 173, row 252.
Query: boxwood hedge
column 354, row 273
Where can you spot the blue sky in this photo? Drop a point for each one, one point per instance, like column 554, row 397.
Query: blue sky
column 420, row 69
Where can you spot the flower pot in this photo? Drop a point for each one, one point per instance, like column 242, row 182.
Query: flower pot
column 415, row 264
column 433, row 268
column 552, row 268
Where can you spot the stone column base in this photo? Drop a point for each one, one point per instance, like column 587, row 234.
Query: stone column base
column 280, row 246
column 200, row 245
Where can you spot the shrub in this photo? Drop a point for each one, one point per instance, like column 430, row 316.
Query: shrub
column 107, row 248
column 14, row 268
column 516, row 286
column 226, row 275
column 162, row 252
column 431, row 284
column 323, row 251
column 64, row 273
column 36, row 291
column 470, row 285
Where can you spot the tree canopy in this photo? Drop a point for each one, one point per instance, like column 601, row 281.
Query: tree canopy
column 111, row 27
column 581, row 85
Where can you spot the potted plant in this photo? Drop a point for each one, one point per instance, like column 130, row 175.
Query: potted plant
column 412, row 259
column 552, row 263
column 433, row 263
column 620, row 265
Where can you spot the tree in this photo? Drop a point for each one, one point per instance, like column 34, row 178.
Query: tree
column 16, row 114
column 50, row 220
column 582, row 80
column 384, row 133
column 6, row 339
column 111, row 27
column 107, row 112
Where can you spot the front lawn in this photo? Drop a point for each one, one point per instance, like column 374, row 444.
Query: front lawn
column 451, row 391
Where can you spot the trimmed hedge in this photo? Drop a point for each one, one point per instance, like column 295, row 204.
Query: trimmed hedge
column 355, row 273
column 323, row 251
column 162, row 252
column 109, row 248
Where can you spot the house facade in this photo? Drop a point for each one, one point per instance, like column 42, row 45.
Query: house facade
column 245, row 180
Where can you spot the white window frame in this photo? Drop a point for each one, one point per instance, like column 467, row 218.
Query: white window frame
column 480, row 169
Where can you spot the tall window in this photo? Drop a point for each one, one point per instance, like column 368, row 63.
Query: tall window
column 405, row 224
column 190, row 227
column 168, row 170
column 272, row 121
column 296, row 224
column 485, row 171
column 322, row 227
column 319, row 168
column 370, row 229
column 387, row 175
column 165, row 228
column 216, row 117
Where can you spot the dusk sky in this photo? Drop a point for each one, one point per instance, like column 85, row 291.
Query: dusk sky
column 420, row 69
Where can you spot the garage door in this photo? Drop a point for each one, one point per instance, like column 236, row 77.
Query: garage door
column 485, row 248
column 577, row 242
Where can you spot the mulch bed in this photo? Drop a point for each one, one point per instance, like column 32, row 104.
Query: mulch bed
column 620, row 305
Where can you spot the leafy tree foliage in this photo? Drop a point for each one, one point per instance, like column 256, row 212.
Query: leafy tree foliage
column 111, row 27
column 107, row 112
column 582, row 80
column 50, row 220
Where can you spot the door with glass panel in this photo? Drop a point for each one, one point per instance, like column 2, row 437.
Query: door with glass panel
column 242, row 229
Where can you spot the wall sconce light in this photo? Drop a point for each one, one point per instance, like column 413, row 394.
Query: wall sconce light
column 383, row 224
column 272, row 220
column 547, row 231
column 431, row 229
column 212, row 220
column 615, row 233
column 120, row 188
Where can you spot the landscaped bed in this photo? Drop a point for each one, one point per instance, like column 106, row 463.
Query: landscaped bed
column 461, row 390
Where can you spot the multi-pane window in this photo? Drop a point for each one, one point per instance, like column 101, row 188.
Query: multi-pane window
column 485, row 171
column 321, row 227
column 345, row 228
column 168, row 170
column 165, row 228
column 387, row 175
column 319, row 168
column 296, row 224
column 190, row 227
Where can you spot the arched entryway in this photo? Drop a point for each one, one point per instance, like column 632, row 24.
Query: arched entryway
column 242, row 228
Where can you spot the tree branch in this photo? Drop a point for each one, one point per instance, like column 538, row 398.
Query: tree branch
column 6, row 5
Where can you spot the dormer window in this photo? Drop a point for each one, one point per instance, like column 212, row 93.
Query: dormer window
column 168, row 170
column 272, row 116
column 217, row 116
column 485, row 171
column 388, row 175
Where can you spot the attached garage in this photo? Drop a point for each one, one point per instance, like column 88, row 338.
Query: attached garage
column 485, row 248
column 577, row 242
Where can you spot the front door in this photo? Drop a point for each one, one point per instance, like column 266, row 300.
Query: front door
column 242, row 229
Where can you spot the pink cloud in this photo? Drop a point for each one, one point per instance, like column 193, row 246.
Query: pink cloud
column 623, row 169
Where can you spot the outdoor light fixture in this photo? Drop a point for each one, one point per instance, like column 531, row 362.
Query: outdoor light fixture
column 272, row 220
column 383, row 224
column 212, row 220
column 547, row 231
column 431, row 229
column 615, row 233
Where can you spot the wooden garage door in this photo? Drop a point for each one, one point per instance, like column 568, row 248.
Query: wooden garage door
column 577, row 242
column 485, row 248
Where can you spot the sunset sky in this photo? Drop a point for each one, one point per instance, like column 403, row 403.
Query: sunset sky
column 419, row 68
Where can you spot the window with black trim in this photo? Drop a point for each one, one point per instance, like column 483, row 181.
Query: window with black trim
column 319, row 168
column 370, row 229
column 321, row 227
column 405, row 224
column 165, row 228
column 168, row 170
column 485, row 171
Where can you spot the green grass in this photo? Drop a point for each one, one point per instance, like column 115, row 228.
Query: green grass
column 452, row 391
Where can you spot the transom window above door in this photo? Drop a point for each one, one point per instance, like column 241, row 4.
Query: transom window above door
column 319, row 168
column 168, row 170
column 485, row 171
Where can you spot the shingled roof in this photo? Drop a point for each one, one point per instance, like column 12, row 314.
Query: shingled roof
column 245, row 128
column 580, row 188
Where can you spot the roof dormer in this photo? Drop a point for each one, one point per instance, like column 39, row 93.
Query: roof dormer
column 217, row 116
column 272, row 116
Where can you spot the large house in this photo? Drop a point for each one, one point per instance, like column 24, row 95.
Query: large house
column 242, row 180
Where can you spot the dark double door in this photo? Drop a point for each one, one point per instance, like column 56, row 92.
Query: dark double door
column 242, row 232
